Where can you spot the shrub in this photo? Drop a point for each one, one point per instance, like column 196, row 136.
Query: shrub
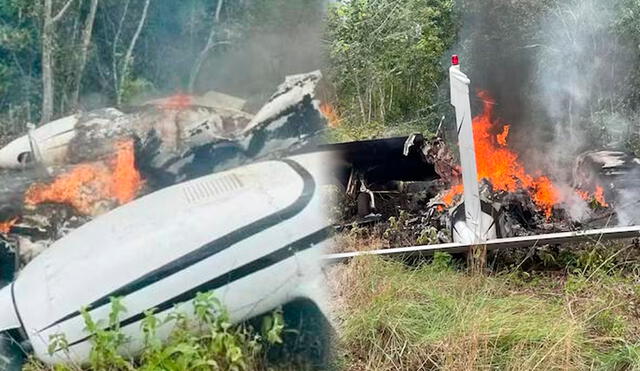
column 210, row 342
column 385, row 57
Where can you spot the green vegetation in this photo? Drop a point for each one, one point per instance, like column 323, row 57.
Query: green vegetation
column 577, row 308
column 385, row 62
column 58, row 56
column 573, row 307
column 207, row 342
column 437, row 316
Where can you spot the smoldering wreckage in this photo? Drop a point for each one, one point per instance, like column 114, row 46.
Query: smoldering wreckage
column 144, row 203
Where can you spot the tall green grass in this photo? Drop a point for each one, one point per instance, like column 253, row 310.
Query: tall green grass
column 433, row 316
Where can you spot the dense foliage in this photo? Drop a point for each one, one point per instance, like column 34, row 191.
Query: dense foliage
column 386, row 57
column 96, row 53
column 19, row 41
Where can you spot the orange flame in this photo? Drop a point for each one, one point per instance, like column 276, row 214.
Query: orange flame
column 599, row 197
column 87, row 185
column 5, row 227
column 177, row 102
column 331, row 114
column 450, row 196
column 502, row 138
column 126, row 181
column 583, row 194
column 501, row 166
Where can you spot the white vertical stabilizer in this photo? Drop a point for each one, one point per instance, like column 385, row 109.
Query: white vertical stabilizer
column 474, row 231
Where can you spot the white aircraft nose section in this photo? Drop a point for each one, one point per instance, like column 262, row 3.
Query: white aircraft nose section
column 250, row 234
column 50, row 140
column 16, row 154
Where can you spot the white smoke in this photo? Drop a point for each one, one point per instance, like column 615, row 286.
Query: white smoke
column 580, row 69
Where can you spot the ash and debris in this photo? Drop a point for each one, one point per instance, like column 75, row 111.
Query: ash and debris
column 439, row 153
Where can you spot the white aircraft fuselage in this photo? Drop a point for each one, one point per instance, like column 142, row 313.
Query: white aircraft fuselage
column 254, row 235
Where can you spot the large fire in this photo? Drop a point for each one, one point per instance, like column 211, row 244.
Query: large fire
column 599, row 197
column 501, row 167
column 88, row 185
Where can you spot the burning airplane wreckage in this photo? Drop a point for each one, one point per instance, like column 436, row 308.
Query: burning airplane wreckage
column 486, row 197
column 154, row 205
column 81, row 166
column 144, row 203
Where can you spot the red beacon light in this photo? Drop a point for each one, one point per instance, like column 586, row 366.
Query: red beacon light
column 455, row 60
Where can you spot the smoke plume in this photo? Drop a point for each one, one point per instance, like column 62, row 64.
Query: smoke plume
column 263, row 60
column 582, row 69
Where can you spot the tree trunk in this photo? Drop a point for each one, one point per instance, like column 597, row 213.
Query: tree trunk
column 195, row 71
column 47, row 57
column 127, row 58
column 114, row 51
column 47, row 68
column 87, row 33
